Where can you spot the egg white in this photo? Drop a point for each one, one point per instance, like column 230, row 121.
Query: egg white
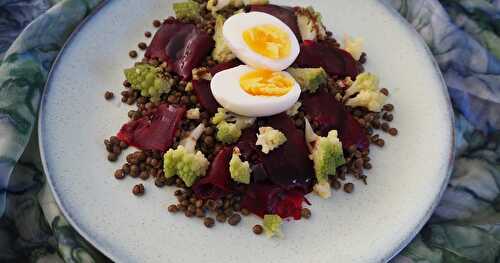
column 233, row 35
column 226, row 89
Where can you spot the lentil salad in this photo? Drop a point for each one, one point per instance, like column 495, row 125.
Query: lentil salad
column 176, row 89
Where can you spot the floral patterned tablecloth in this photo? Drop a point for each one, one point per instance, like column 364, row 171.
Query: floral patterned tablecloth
column 464, row 36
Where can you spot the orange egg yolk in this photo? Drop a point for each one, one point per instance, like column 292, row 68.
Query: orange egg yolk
column 268, row 40
column 262, row 82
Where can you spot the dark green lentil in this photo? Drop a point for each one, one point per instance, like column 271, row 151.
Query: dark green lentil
column 138, row 189
column 173, row 209
column 132, row 54
column 142, row 45
column 119, row 174
column 209, row 222
column 305, row 213
column 257, row 229
column 349, row 188
column 234, row 219
column 108, row 95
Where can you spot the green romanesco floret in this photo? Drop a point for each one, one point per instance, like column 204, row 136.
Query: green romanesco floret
column 230, row 125
column 310, row 25
column 221, row 53
column 216, row 5
column 326, row 154
column 309, row 79
column 272, row 225
column 270, row 139
column 189, row 10
column 184, row 161
column 149, row 80
column 368, row 95
column 240, row 171
column 227, row 132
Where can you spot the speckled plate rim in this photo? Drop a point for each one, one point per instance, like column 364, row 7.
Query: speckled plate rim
column 106, row 251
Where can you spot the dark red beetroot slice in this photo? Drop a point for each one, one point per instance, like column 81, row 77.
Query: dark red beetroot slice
column 204, row 95
column 284, row 13
column 183, row 46
column 217, row 182
column 335, row 61
column 155, row 131
column 263, row 199
column 223, row 66
column 328, row 113
column 289, row 165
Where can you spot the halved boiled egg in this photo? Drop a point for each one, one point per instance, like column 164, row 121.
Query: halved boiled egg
column 254, row 92
column 261, row 40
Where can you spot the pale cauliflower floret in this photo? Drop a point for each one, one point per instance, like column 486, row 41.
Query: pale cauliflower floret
column 184, row 161
column 368, row 95
column 193, row 114
column 230, row 125
column 310, row 25
column 201, row 73
column 372, row 100
column 269, row 139
column 323, row 189
column 353, row 46
column 326, row 154
column 239, row 170
column 294, row 110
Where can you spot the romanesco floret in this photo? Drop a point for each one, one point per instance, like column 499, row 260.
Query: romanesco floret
column 327, row 155
column 184, row 162
column 309, row 79
column 294, row 110
column 230, row 125
column 272, row 225
column 221, row 53
column 240, row 171
column 189, row 10
column 269, row 139
column 368, row 95
column 216, row 5
column 149, row 81
column 193, row 114
column 310, row 25
column 227, row 132
column 353, row 46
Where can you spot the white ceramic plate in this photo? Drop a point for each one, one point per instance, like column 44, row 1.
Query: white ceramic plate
column 370, row 225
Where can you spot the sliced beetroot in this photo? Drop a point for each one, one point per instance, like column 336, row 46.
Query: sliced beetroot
column 156, row 131
column 263, row 199
column 223, row 66
column 183, row 46
column 327, row 113
column 217, row 182
column 335, row 61
column 204, row 95
column 284, row 13
column 289, row 164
